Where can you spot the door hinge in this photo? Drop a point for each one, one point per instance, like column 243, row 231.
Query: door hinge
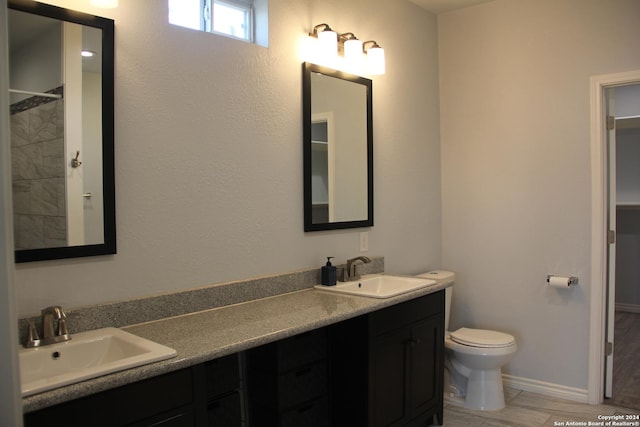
column 609, row 348
column 611, row 123
column 611, row 236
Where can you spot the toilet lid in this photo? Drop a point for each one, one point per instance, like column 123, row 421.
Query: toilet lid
column 482, row 338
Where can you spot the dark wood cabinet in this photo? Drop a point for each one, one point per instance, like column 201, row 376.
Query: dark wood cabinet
column 288, row 382
column 203, row 395
column 225, row 392
column 405, row 373
column 168, row 400
column 380, row 369
column 387, row 367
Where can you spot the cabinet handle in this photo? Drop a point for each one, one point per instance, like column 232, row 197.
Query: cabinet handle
column 305, row 408
column 302, row 372
column 413, row 342
column 166, row 420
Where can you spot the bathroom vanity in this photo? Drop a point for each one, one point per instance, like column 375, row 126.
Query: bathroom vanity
column 309, row 358
column 392, row 361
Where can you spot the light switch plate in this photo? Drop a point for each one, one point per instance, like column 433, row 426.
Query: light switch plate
column 364, row 241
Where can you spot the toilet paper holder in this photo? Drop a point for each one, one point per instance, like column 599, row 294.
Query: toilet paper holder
column 555, row 280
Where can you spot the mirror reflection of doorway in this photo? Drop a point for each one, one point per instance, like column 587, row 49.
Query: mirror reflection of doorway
column 322, row 168
column 625, row 102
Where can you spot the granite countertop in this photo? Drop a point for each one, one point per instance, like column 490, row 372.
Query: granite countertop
column 210, row 334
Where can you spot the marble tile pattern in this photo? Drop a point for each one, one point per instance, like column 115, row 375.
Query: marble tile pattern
column 526, row 409
column 37, row 171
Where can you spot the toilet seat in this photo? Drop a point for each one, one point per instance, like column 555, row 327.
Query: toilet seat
column 482, row 338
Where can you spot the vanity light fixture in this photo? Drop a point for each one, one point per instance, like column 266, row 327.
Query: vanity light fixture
column 327, row 40
column 353, row 52
column 105, row 4
column 375, row 57
column 329, row 46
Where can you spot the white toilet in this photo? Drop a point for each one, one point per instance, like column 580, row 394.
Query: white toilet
column 473, row 359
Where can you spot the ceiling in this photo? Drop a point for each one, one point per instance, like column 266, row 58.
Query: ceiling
column 26, row 28
column 441, row 6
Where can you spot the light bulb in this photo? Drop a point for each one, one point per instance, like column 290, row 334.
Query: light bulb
column 353, row 50
column 375, row 61
column 328, row 44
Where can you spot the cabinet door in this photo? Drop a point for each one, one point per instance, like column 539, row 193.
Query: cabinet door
column 408, row 372
column 168, row 398
column 387, row 367
column 391, row 353
column 225, row 411
column 426, row 365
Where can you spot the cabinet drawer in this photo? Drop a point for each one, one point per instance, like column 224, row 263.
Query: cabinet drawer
column 290, row 353
column 302, row 349
column 312, row 414
column 223, row 375
column 403, row 314
column 286, row 390
column 303, row 384
column 225, row 411
column 179, row 418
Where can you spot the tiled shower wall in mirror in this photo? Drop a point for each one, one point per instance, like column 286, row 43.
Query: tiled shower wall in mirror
column 38, row 172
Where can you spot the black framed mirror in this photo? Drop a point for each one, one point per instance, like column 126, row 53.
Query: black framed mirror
column 62, row 132
column 338, row 149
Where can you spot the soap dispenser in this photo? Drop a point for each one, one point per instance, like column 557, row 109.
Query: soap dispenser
column 329, row 273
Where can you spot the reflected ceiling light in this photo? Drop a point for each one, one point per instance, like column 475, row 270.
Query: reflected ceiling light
column 105, row 4
column 87, row 53
column 375, row 58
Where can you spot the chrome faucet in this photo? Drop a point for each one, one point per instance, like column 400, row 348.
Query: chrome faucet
column 50, row 333
column 349, row 271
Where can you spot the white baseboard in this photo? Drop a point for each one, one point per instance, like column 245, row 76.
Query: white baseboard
column 629, row 308
column 545, row 388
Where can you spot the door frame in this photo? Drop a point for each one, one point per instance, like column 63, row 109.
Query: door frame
column 599, row 226
column 11, row 402
column 327, row 117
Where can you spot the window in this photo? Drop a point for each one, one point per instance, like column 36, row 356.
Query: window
column 233, row 18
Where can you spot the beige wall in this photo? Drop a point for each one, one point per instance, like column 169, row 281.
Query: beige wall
column 516, row 195
column 209, row 160
column 209, row 154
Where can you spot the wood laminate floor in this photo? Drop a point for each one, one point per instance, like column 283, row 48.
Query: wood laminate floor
column 534, row 410
column 626, row 361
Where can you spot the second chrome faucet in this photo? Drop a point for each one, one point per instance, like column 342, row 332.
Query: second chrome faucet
column 51, row 333
column 349, row 271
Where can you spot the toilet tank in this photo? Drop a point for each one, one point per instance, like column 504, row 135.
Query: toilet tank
column 443, row 277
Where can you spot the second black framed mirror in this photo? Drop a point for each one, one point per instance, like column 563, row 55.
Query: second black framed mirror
column 338, row 149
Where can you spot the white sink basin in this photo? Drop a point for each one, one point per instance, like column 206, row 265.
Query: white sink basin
column 87, row 355
column 379, row 285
